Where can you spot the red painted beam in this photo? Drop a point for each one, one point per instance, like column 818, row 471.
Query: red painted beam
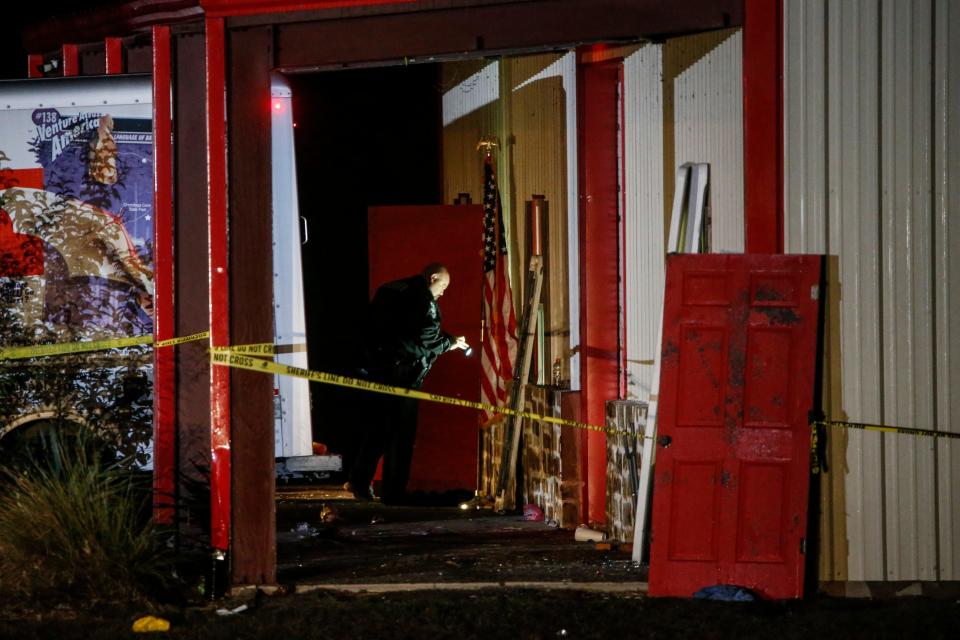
column 71, row 60
column 622, row 230
column 34, row 65
column 763, row 125
column 599, row 267
column 114, row 50
column 224, row 8
column 164, row 440
column 218, row 282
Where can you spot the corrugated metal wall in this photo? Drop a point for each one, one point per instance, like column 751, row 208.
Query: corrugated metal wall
column 682, row 103
column 471, row 94
column 643, row 185
column 542, row 125
column 529, row 104
column 871, row 118
column 708, row 124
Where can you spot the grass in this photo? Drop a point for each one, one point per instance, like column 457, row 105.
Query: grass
column 76, row 529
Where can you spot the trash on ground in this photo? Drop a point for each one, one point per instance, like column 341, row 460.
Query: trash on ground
column 148, row 624
column 532, row 512
column 586, row 534
column 304, row 530
column 725, row 592
column 328, row 513
column 232, row 612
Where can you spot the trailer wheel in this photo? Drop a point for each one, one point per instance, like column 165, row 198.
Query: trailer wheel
column 46, row 440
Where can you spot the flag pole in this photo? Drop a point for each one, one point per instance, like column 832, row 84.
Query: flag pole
column 486, row 145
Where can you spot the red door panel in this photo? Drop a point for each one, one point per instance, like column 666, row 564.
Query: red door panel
column 402, row 240
column 737, row 382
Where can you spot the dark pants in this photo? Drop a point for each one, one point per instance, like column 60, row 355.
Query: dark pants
column 390, row 429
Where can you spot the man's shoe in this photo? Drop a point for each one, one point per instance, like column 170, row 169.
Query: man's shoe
column 363, row 496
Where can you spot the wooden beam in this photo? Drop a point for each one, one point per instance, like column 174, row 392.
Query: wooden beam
column 253, row 557
column 316, row 40
column 191, row 292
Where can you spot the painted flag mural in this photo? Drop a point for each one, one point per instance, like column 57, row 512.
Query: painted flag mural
column 499, row 348
column 76, row 257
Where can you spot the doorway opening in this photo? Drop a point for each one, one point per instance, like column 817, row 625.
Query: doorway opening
column 363, row 138
column 400, row 137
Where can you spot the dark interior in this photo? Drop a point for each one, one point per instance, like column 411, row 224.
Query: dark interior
column 363, row 137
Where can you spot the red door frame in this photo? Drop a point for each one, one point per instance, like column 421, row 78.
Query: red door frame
column 763, row 125
column 600, row 287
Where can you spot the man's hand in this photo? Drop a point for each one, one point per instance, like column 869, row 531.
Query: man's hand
column 459, row 342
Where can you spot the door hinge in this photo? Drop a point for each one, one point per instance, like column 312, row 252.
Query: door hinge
column 803, row 546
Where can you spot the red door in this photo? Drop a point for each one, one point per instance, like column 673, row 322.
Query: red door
column 402, row 240
column 737, row 381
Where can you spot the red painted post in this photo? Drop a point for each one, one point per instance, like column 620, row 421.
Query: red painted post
column 622, row 230
column 599, row 267
column 71, row 60
column 34, row 65
column 164, row 440
column 218, row 279
column 114, row 51
column 763, row 125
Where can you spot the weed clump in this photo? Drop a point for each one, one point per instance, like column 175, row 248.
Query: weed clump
column 76, row 528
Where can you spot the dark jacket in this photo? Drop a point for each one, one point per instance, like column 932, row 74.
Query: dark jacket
column 404, row 336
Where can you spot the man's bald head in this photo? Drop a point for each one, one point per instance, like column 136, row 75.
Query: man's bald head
column 437, row 277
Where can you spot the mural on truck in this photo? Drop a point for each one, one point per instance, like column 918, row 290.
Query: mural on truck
column 76, row 263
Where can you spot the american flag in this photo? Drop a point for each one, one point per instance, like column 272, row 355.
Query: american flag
column 499, row 348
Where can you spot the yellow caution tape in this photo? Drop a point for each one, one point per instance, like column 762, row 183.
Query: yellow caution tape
column 226, row 357
column 885, row 428
column 264, row 348
column 18, row 353
column 201, row 335
column 245, row 357
column 60, row 348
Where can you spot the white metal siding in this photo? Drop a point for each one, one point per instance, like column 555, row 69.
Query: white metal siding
column 870, row 113
column 470, row 95
column 568, row 70
column 709, row 128
column 643, row 135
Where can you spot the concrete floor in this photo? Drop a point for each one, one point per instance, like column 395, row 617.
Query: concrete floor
column 326, row 537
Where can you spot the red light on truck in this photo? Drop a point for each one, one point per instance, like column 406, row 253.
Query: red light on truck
column 277, row 106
